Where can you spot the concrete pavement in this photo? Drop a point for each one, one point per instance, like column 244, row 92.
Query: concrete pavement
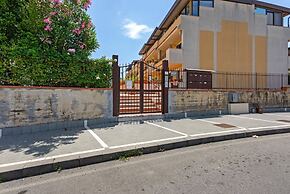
column 72, row 148
column 245, row 166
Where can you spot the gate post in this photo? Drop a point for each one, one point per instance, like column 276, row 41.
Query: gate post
column 165, row 86
column 116, row 85
column 141, row 86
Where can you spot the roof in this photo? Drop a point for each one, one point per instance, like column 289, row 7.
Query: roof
column 178, row 6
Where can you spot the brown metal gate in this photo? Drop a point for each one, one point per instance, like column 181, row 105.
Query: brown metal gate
column 139, row 88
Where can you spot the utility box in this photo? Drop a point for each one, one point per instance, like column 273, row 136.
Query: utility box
column 197, row 79
column 239, row 108
column 233, row 97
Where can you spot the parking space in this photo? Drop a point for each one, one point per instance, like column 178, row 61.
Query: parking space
column 246, row 121
column 45, row 145
column 272, row 119
column 56, row 144
column 123, row 135
column 194, row 126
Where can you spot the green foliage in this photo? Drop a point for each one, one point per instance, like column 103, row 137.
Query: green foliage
column 48, row 44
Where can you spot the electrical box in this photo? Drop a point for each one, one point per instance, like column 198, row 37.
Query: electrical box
column 233, row 97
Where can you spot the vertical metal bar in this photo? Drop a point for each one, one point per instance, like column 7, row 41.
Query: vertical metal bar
column 256, row 75
column 226, row 80
column 141, row 86
column 165, row 86
column 116, row 86
column 282, row 80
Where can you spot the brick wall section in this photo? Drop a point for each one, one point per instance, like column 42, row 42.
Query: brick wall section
column 30, row 106
column 214, row 101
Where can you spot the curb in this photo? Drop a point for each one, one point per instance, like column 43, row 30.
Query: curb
column 54, row 166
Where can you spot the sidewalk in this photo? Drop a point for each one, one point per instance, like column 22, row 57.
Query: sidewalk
column 39, row 153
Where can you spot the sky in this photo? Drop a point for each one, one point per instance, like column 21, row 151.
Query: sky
column 123, row 26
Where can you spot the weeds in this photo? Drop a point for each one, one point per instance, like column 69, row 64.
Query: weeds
column 125, row 156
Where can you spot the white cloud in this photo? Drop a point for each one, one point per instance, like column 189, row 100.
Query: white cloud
column 134, row 30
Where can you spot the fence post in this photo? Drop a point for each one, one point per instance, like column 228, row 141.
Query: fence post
column 256, row 78
column 116, row 85
column 141, row 86
column 282, row 80
column 165, row 86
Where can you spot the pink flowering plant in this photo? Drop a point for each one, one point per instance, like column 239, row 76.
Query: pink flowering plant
column 69, row 28
column 49, row 43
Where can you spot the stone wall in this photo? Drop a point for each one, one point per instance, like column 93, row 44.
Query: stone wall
column 32, row 106
column 216, row 101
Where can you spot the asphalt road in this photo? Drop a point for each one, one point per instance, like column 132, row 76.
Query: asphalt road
column 253, row 165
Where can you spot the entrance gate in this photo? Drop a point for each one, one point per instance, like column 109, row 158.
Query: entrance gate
column 139, row 88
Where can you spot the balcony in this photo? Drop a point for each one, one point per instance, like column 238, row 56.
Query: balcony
column 170, row 38
column 174, row 56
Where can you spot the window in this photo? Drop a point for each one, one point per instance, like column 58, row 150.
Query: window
column 270, row 18
column 260, row 11
column 274, row 18
column 206, row 3
column 195, row 8
column 278, row 19
column 197, row 3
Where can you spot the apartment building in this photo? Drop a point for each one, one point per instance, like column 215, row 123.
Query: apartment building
column 241, row 36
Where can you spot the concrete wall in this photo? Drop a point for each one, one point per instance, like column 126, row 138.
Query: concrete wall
column 203, row 101
column 175, row 56
column 197, row 101
column 32, row 106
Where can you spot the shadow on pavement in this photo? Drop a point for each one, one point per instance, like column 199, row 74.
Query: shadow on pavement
column 39, row 144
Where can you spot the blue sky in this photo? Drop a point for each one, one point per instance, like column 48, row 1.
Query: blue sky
column 123, row 26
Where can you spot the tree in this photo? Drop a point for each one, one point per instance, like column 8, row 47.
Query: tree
column 47, row 42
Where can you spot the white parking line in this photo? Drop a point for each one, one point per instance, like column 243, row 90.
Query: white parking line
column 256, row 119
column 103, row 144
column 270, row 127
column 147, row 142
column 50, row 158
column 174, row 131
column 218, row 132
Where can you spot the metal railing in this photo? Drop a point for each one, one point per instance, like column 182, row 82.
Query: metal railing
column 222, row 80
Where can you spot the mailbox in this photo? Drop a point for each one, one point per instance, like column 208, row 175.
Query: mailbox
column 197, row 79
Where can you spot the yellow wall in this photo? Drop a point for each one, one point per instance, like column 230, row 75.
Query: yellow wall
column 234, row 48
column 261, row 60
column 261, row 54
column 206, row 50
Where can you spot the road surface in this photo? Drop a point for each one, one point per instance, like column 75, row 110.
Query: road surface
column 253, row 165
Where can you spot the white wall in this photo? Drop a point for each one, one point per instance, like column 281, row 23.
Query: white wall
column 174, row 56
column 277, row 49
column 190, row 41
